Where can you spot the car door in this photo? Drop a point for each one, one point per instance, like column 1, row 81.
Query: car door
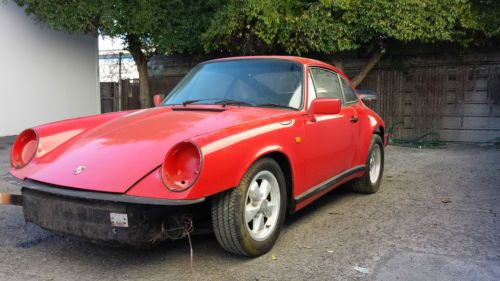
column 352, row 101
column 329, row 138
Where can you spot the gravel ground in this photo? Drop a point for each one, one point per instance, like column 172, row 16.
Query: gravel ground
column 434, row 218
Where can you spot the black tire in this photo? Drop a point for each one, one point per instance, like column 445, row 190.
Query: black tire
column 364, row 184
column 228, row 213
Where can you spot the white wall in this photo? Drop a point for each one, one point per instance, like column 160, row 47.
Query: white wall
column 45, row 75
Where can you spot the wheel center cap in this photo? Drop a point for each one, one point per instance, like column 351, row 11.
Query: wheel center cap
column 266, row 211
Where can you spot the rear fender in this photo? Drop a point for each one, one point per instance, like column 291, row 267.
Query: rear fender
column 370, row 123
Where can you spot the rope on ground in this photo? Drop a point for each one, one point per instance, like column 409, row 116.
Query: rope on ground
column 418, row 142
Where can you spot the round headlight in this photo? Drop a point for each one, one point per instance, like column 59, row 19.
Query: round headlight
column 181, row 167
column 24, row 148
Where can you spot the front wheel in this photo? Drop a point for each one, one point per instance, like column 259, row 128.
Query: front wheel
column 247, row 219
column 374, row 168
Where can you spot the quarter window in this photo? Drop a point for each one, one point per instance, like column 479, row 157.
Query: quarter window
column 326, row 84
column 349, row 93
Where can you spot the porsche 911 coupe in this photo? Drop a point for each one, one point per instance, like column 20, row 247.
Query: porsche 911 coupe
column 236, row 145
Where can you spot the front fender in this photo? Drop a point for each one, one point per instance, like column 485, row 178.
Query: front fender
column 52, row 135
column 227, row 155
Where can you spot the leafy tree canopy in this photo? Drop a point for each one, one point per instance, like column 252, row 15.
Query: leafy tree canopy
column 151, row 27
column 162, row 27
column 331, row 26
column 148, row 27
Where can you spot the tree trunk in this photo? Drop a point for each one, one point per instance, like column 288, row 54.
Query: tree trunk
column 144, row 96
column 372, row 62
column 140, row 59
column 338, row 63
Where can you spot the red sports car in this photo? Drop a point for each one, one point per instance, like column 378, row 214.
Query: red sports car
column 237, row 144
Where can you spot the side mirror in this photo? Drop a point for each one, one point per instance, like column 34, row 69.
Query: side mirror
column 367, row 95
column 158, row 99
column 325, row 106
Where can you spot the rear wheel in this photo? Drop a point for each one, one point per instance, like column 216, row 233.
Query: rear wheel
column 374, row 168
column 247, row 219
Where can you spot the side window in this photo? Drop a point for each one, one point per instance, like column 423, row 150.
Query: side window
column 312, row 92
column 349, row 93
column 326, row 84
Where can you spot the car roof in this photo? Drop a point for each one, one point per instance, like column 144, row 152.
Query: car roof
column 301, row 60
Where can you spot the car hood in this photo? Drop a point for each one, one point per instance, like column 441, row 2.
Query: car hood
column 115, row 155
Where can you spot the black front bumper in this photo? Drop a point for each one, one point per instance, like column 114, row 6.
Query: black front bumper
column 91, row 217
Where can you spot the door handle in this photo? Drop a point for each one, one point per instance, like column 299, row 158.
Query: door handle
column 354, row 119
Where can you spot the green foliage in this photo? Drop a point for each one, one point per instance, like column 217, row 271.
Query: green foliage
column 273, row 26
column 157, row 26
column 151, row 27
column 73, row 15
column 488, row 16
column 330, row 26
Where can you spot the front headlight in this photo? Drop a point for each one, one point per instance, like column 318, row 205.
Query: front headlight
column 24, row 149
column 181, row 167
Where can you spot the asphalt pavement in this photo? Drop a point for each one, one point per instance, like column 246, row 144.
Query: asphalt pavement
column 435, row 217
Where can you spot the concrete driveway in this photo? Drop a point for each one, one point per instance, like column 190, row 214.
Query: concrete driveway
column 434, row 218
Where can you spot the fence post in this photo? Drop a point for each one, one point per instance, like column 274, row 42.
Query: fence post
column 120, row 79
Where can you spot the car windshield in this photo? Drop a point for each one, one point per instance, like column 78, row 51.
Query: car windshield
column 257, row 82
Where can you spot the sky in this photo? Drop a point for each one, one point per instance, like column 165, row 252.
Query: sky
column 106, row 43
column 108, row 61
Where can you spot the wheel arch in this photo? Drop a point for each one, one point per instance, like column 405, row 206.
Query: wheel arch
column 285, row 164
column 374, row 126
column 380, row 130
column 229, row 231
column 286, row 167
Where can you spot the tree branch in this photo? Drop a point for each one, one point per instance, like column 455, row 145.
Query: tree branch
column 338, row 63
column 372, row 62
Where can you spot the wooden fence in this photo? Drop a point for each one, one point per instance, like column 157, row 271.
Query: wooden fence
column 130, row 92
column 439, row 103
column 109, row 91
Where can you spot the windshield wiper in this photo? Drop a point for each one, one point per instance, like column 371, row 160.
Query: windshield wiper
column 275, row 105
column 223, row 102
column 190, row 102
column 233, row 102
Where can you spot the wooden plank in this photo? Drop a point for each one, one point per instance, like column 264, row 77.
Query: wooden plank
column 476, row 109
column 481, row 84
column 451, row 122
column 469, row 135
column 451, row 96
column 476, row 96
column 481, row 123
column 495, row 109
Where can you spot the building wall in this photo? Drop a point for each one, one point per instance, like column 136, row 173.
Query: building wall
column 45, row 75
